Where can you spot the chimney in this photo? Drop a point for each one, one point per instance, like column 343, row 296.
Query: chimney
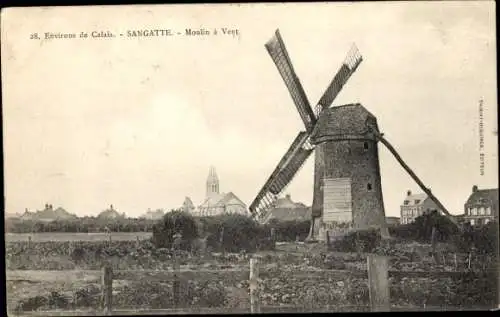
column 474, row 188
column 111, row 207
column 408, row 193
column 288, row 197
column 46, row 206
column 50, row 206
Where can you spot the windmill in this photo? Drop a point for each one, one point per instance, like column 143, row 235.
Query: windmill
column 347, row 186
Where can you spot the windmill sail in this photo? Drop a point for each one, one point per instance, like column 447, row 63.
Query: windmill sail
column 351, row 62
column 276, row 48
column 282, row 175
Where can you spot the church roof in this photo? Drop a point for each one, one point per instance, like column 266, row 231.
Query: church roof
column 215, row 199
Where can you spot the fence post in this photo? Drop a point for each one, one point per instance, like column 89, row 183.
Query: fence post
column 456, row 263
column 378, row 283
column 433, row 245
column 176, row 282
column 107, row 288
column 221, row 241
column 29, row 242
column 71, row 247
column 327, row 239
column 254, row 287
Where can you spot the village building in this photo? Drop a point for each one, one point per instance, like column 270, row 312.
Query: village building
column 188, row 206
column 153, row 214
column 285, row 209
column 415, row 205
column 111, row 213
column 216, row 203
column 48, row 214
column 481, row 207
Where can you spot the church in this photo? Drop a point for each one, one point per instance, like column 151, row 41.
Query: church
column 217, row 203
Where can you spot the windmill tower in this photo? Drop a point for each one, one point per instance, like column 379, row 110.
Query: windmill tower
column 347, row 184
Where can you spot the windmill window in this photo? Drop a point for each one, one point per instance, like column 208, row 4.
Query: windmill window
column 369, row 186
column 365, row 145
column 406, row 202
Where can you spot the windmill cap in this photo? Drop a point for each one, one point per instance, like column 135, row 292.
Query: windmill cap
column 344, row 122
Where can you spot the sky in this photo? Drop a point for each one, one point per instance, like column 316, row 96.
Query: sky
column 137, row 122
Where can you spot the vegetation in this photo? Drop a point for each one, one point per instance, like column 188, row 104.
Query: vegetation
column 483, row 239
column 289, row 231
column 358, row 241
column 84, row 224
column 175, row 222
column 234, row 233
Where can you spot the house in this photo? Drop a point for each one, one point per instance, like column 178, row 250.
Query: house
column 482, row 206
column 153, row 215
column 217, row 203
column 48, row 214
column 285, row 209
column 110, row 213
column 392, row 221
column 415, row 205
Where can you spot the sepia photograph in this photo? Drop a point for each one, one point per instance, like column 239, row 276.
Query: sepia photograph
column 250, row 158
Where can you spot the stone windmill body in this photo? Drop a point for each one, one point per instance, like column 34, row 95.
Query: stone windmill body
column 347, row 183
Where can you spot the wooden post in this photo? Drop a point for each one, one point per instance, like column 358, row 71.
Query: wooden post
column 327, row 239
column 254, row 287
column 456, row 263
column 378, row 283
column 29, row 242
column 221, row 241
column 426, row 190
column 433, row 245
column 107, row 288
column 71, row 247
column 470, row 256
column 176, row 282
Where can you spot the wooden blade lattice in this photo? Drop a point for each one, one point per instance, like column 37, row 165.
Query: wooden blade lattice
column 277, row 50
column 282, row 175
column 349, row 66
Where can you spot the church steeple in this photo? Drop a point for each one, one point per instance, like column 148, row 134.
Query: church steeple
column 212, row 182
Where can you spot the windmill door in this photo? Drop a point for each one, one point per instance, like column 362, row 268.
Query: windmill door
column 337, row 202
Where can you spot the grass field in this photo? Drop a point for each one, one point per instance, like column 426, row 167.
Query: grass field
column 70, row 236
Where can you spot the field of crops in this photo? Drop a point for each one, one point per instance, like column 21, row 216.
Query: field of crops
column 73, row 236
column 30, row 290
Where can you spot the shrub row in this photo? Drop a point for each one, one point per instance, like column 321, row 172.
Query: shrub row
column 289, row 231
column 484, row 239
column 229, row 233
column 85, row 224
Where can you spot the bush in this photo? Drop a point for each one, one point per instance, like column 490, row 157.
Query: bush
column 484, row 238
column 172, row 223
column 238, row 233
column 362, row 240
column 421, row 229
column 289, row 231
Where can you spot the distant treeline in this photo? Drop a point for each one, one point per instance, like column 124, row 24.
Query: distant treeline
column 85, row 224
